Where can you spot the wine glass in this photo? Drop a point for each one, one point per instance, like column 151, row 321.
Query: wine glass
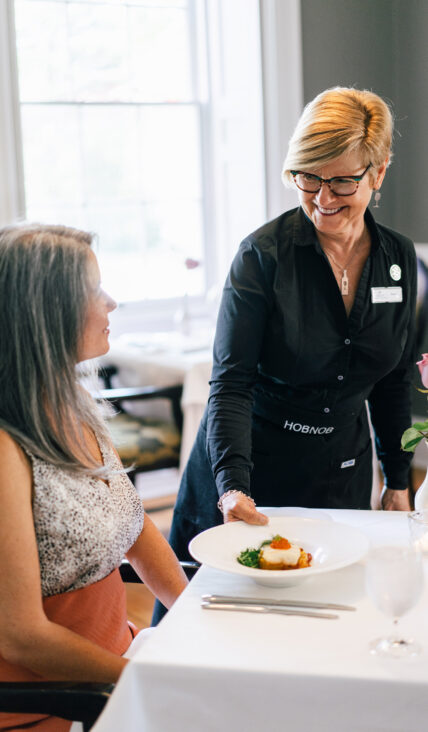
column 418, row 527
column 394, row 583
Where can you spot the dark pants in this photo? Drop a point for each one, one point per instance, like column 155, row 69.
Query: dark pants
column 290, row 469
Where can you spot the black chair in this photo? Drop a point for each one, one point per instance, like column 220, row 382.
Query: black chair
column 80, row 702
column 74, row 701
column 145, row 443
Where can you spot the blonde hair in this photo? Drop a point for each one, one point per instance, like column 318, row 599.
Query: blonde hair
column 340, row 120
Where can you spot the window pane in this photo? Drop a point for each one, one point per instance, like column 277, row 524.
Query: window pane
column 170, row 152
column 109, row 139
column 155, row 241
column 159, row 59
column 97, row 38
column 43, row 60
column 52, row 163
column 111, row 136
column 67, row 215
column 109, row 51
column 141, row 249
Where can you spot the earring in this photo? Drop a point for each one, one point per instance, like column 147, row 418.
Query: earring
column 377, row 196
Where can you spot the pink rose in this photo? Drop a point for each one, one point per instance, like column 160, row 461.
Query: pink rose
column 423, row 369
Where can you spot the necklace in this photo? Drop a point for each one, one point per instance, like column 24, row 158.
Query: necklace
column 344, row 283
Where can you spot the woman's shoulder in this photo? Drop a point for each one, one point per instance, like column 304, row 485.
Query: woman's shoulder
column 13, row 458
column 275, row 229
column 265, row 242
column 8, row 445
column 402, row 242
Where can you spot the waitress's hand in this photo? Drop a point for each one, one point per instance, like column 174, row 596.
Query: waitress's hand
column 391, row 500
column 239, row 507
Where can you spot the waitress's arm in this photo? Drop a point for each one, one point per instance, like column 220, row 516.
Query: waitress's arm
column 394, row 500
column 239, row 507
column 390, row 404
column 241, row 326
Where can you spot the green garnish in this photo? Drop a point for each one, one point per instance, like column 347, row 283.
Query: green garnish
column 277, row 537
column 249, row 558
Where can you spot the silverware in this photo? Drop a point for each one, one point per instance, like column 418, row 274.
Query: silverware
column 268, row 602
column 266, row 609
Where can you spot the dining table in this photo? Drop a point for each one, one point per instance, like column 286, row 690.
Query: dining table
column 219, row 671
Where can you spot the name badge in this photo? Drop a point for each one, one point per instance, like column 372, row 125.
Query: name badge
column 387, row 294
column 348, row 463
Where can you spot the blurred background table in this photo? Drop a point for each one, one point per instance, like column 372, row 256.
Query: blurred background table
column 164, row 359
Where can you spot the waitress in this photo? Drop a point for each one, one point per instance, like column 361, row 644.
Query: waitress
column 317, row 318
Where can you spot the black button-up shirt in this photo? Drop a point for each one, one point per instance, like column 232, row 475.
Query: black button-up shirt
column 284, row 338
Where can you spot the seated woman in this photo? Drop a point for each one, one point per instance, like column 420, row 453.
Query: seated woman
column 68, row 512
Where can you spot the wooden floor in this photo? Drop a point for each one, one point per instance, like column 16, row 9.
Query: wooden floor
column 140, row 603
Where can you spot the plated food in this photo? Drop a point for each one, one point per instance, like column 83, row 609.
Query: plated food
column 332, row 545
column 276, row 553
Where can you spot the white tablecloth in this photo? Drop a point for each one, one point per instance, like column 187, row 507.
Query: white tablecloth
column 206, row 671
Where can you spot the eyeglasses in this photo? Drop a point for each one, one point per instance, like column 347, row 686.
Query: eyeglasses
column 339, row 185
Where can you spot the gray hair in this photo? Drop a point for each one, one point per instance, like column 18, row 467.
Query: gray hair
column 44, row 295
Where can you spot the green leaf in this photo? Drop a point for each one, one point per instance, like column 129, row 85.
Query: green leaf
column 410, row 439
column 420, row 426
column 249, row 558
column 410, row 446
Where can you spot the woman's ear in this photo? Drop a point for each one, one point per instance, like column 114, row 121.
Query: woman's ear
column 381, row 174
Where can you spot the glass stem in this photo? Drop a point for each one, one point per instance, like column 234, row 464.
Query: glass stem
column 395, row 635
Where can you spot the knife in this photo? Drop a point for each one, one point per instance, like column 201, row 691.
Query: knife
column 275, row 603
column 266, row 609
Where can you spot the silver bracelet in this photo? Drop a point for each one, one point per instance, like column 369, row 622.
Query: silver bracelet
column 229, row 493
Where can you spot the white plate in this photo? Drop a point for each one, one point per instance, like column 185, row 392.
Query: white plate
column 332, row 545
column 314, row 513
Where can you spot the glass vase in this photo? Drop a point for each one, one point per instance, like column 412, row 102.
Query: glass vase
column 421, row 496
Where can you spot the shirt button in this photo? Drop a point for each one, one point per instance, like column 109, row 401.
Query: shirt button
column 347, row 341
column 340, row 377
column 326, row 410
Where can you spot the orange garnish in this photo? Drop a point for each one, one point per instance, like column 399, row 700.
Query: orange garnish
column 280, row 543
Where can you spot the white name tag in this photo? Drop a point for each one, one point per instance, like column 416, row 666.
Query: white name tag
column 387, row 294
column 348, row 463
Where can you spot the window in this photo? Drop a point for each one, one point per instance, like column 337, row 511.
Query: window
column 142, row 121
column 111, row 99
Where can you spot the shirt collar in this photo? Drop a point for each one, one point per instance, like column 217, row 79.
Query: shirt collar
column 304, row 231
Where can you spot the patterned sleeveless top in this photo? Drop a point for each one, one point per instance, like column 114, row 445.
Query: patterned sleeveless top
column 83, row 525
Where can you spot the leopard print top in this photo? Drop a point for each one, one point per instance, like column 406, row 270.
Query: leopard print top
column 83, row 525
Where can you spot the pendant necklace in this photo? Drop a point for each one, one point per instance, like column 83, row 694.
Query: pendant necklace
column 344, row 283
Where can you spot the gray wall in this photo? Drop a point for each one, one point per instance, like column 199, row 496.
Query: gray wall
column 379, row 45
column 411, row 176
